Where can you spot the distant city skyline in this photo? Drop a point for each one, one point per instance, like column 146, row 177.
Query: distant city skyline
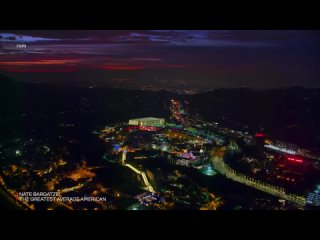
column 194, row 60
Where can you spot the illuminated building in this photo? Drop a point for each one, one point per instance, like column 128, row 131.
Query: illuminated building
column 208, row 170
column 148, row 121
column 148, row 128
column 188, row 155
column 183, row 162
column 108, row 129
column 259, row 140
column 313, row 199
column 295, row 160
column 280, row 149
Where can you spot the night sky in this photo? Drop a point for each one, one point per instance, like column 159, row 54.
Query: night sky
column 171, row 59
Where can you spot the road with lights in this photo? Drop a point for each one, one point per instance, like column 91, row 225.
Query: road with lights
column 224, row 169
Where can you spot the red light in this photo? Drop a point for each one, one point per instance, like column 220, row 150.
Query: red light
column 259, row 135
column 129, row 128
column 295, row 160
column 148, row 128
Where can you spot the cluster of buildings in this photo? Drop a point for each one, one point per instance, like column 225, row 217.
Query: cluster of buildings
column 39, row 167
column 185, row 146
column 140, row 140
column 148, row 121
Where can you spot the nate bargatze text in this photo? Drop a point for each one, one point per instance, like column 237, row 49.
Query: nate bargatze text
column 55, row 196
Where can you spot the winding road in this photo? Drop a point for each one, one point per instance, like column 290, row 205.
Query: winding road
column 218, row 163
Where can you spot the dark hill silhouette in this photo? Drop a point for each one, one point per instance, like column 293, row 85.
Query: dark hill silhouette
column 289, row 114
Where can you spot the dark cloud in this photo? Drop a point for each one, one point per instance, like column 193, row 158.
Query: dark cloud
column 193, row 58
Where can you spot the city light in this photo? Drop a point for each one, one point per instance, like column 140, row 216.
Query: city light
column 189, row 146
column 208, row 170
column 281, row 149
column 144, row 126
column 295, row 160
